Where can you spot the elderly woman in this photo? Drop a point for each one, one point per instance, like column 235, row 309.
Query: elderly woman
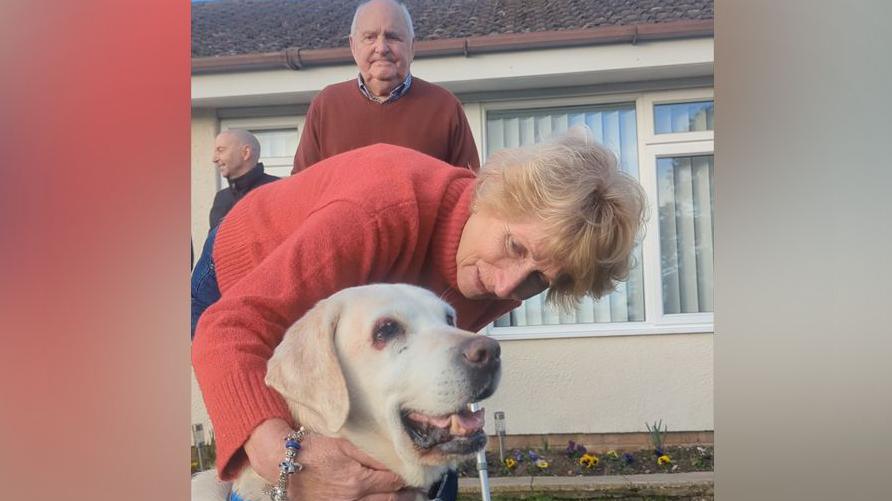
column 558, row 215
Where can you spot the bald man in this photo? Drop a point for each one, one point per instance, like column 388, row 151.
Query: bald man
column 236, row 155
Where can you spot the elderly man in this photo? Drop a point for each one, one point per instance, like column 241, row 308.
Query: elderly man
column 385, row 103
column 236, row 155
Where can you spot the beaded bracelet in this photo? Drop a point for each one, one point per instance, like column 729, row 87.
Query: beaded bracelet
column 279, row 492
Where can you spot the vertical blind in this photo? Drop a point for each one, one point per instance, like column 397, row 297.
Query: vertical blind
column 683, row 117
column 277, row 148
column 615, row 127
column 686, row 199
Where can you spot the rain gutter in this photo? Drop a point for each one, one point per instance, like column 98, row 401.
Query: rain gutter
column 297, row 59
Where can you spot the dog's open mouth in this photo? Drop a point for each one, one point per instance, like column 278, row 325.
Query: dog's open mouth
column 457, row 433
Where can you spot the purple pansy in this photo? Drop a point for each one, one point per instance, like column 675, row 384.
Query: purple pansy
column 574, row 449
column 571, row 448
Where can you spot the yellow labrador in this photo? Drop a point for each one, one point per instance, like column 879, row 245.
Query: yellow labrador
column 384, row 367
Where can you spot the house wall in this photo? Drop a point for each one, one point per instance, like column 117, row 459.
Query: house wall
column 586, row 384
column 204, row 175
column 605, row 384
column 485, row 72
column 203, row 187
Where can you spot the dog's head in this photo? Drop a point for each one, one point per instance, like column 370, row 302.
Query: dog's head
column 385, row 363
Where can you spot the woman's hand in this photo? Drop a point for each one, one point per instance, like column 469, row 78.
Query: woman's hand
column 266, row 448
column 334, row 469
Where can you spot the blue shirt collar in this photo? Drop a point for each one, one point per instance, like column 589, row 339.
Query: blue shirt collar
column 395, row 94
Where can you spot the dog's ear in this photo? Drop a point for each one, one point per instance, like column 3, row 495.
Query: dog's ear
column 305, row 370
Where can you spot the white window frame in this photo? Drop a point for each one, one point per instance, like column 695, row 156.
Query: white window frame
column 650, row 147
column 263, row 123
column 646, row 103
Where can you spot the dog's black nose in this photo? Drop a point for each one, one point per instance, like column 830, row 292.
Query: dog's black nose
column 481, row 352
column 480, row 356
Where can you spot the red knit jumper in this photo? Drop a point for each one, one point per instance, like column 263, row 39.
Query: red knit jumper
column 428, row 118
column 376, row 214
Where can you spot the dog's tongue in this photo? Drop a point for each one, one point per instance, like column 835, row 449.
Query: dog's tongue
column 461, row 424
column 466, row 422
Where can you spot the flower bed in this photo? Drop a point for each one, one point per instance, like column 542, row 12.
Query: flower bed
column 575, row 461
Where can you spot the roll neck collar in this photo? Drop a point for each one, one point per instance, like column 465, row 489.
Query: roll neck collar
column 451, row 218
column 246, row 181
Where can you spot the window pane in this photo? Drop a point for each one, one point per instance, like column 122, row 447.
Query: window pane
column 683, row 117
column 615, row 127
column 685, row 196
column 276, row 142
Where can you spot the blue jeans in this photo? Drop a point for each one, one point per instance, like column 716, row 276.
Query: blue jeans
column 205, row 291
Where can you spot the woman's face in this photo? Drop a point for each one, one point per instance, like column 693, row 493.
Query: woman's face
column 501, row 259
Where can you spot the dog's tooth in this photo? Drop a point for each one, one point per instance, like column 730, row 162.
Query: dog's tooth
column 455, row 426
column 465, row 423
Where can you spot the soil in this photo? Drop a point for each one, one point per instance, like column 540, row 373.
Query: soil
column 563, row 464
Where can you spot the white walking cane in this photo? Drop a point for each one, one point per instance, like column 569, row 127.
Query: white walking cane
column 481, row 465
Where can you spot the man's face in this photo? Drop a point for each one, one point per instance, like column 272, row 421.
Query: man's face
column 382, row 47
column 498, row 259
column 230, row 157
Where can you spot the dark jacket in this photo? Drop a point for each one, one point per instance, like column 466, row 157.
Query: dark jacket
column 238, row 188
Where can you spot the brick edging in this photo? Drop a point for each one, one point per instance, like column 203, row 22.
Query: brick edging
column 693, row 484
column 601, row 441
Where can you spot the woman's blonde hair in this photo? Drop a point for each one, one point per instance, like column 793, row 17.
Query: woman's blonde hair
column 592, row 212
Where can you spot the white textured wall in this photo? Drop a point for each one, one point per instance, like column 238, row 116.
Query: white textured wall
column 198, row 413
column 605, row 384
column 203, row 189
column 203, row 173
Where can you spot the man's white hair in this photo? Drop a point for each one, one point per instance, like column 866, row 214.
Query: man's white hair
column 403, row 9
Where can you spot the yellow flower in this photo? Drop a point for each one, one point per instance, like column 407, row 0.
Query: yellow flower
column 612, row 453
column 542, row 464
column 588, row 460
column 664, row 459
column 510, row 463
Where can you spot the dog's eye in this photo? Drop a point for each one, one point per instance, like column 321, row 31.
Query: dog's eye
column 386, row 329
column 450, row 319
